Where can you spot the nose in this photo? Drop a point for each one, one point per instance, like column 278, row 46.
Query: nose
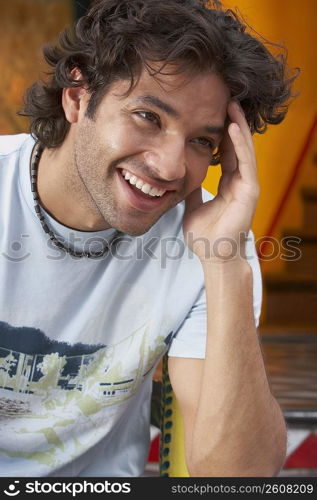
column 168, row 158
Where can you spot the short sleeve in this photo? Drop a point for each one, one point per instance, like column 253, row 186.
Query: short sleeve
column 190, row 339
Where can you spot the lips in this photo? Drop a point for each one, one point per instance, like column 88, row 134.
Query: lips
column 138, row 199
column 140, row 184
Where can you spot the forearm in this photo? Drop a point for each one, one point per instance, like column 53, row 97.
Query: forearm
column 238, row 428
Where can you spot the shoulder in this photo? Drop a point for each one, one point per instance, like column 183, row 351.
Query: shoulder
column 10, row 144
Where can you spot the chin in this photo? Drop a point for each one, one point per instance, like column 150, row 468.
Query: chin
column 135, row 223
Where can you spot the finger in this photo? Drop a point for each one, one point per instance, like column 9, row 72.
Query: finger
column 246, row 161
column 194, row 200
column 236, row 115
column 228, row 158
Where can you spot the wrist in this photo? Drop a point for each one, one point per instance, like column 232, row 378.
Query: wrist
column 220, row 265
column 224, row 249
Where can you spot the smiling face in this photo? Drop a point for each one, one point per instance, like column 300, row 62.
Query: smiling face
column 146, row 151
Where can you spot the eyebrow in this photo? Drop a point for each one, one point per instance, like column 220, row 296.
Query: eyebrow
column 155, row 101
column 214, row 129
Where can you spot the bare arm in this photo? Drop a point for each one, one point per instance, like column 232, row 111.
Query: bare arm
column 233, row 425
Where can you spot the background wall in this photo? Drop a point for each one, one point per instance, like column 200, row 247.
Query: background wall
column 293, row 24
column 26, row 25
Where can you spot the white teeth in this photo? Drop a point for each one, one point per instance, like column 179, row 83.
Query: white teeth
column 127, row 176
column 143, row 186
column 154, row 191
column 146, row 188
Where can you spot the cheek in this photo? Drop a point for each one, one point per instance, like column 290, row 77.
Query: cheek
column 123, row 141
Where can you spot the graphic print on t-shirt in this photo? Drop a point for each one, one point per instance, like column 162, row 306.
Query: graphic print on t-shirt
column 53, row 389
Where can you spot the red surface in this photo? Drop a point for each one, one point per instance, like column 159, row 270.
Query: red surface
column 305, row 456
column 154, row 453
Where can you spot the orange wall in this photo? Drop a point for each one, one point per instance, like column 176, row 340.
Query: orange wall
column 292, row 23
column 26, row 25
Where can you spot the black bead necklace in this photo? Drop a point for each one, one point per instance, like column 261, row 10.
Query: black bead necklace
column 35, row 159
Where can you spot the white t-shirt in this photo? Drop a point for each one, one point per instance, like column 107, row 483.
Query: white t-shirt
column 80, row 338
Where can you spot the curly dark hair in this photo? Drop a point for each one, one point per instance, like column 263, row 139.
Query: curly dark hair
column 118, row 38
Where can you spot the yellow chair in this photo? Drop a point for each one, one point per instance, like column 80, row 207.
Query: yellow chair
column 172, row 453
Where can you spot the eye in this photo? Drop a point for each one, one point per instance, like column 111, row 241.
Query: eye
column 149, row 116
column 204, row 141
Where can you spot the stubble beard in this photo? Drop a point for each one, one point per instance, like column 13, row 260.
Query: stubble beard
column 97, row 180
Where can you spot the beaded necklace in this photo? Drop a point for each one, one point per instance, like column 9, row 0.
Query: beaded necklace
column 35, row 159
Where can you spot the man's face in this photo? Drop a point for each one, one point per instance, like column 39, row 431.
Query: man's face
column 145, row 152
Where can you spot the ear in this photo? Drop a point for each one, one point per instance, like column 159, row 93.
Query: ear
column 74, row 99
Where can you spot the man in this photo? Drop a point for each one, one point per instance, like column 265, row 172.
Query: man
column 109, row 257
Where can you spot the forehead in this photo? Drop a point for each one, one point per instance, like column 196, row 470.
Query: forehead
column 202, row 93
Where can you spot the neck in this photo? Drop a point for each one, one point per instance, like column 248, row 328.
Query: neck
column 62, row 193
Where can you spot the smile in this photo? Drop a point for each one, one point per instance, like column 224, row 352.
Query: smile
column 143, row 186
column 142, row 195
